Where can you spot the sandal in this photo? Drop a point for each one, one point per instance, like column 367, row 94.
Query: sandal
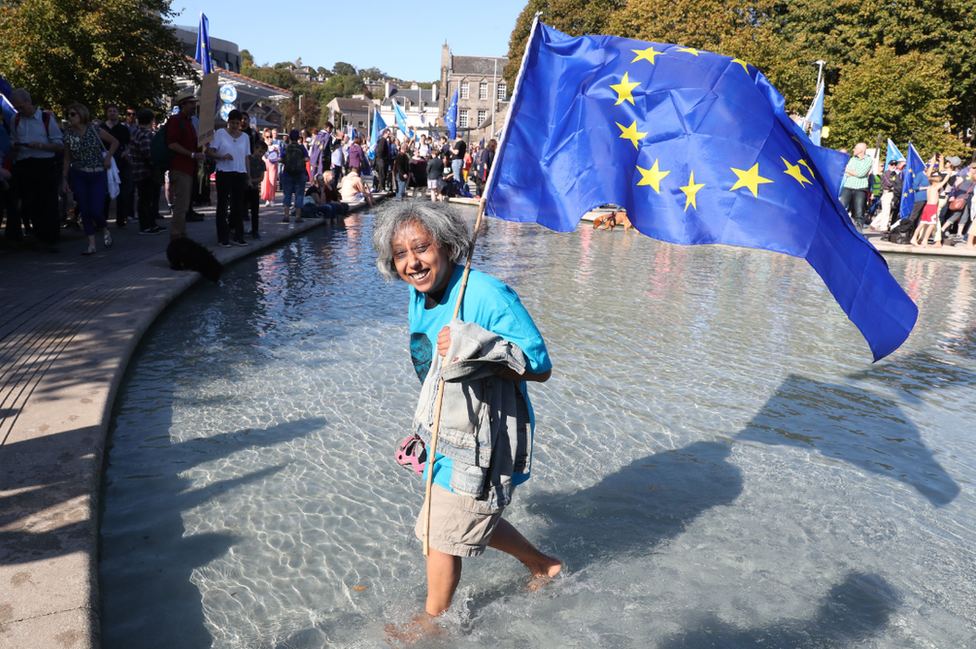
column 108, row 239
column 90, row 250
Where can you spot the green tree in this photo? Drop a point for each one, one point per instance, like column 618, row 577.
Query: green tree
column 344, row 69
column 573, row 17
column 247, row 60
column 65, row 51
column 325, row 72
column 864, row 103
column 274, row 76
column 373, row 73
column 310, row 112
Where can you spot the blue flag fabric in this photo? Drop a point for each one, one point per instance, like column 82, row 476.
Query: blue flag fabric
column 914, row 180
column 699, row 149
column 378, row 127
column 892, row 154
column 815, row 115
column 401, row 120
column 202, row 54
column 451, row 117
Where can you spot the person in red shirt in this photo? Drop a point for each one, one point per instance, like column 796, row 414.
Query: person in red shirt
column 181, row 136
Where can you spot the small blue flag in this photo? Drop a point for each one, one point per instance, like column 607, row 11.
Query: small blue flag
column 913, row 181
column 401, row 120
column 202, row 55
column 698, row 148
column 451, row 117
column 892, row 154
column 5, row 105
column 815, row 115
column 378, row 127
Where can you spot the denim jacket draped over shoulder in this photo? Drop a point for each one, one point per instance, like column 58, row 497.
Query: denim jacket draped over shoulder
column 485, row 426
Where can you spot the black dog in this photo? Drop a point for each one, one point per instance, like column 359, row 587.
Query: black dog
column 186, row 254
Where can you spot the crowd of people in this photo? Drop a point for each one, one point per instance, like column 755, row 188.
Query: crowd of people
column 941, row 212
column 47, row 162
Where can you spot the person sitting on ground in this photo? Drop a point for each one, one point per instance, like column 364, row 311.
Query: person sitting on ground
column 424, row 245
column 353, row 189
column 317, row 199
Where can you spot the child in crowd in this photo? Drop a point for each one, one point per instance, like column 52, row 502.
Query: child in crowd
column 256, row 170
column 930, row 213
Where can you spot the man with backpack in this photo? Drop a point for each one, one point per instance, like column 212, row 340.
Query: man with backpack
column 181, row 139
column 293, row 175
column 36, row 150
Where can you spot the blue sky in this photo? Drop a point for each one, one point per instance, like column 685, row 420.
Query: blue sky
column 322, row 34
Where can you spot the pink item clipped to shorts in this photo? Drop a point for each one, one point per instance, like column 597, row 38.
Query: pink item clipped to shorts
column 412, row 453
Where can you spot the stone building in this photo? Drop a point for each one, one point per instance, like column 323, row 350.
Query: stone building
column 482, row 92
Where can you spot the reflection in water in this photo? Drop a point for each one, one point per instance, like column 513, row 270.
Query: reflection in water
column 716, row 459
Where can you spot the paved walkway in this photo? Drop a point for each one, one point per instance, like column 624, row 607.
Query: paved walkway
column 68, row 326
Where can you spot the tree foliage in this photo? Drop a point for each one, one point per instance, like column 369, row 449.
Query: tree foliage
column 311, row 111
column 900, row 69
column 344, row 69
column 66, row 51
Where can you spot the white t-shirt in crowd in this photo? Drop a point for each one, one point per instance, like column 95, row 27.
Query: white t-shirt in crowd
column 240, row 148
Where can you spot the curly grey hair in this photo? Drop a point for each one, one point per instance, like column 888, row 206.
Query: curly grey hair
column 444, row 223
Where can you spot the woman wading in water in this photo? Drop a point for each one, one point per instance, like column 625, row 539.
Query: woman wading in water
column 422, row 244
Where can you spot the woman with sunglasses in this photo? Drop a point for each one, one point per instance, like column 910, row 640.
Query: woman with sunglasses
column 87, row 160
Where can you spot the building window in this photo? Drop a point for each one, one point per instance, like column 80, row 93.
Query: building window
column 482, row 114
column 502, row 91
column 463, row 118
column 465, row 91
column 483, row 90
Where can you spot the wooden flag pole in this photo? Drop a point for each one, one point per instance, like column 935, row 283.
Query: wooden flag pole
column 432, row 451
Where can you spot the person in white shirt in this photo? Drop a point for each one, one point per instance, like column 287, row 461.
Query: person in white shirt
column 230, row 148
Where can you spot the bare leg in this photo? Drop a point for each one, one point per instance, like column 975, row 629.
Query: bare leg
column 510, row 541
column 972, row 241
column 443, row 576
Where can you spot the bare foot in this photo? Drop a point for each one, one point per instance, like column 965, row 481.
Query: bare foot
column 970, row 246
column 937, row 245
column 418, row 628
column 543, row 572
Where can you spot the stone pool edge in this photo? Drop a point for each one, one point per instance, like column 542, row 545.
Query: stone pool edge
column 49, row 528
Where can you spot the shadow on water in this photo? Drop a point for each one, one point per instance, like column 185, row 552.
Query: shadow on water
column 634, row 509
column 853, row 610
column 847, row 424
column 147, row 560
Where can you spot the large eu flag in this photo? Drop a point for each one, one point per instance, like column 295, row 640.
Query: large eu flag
column 699, row 149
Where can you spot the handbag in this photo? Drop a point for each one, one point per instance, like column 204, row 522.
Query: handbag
column 957, row 204
column 112, row 173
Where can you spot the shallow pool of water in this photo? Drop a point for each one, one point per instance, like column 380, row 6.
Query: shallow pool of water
column 716, row 459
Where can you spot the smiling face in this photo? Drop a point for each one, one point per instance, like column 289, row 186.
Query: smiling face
column 419, row 261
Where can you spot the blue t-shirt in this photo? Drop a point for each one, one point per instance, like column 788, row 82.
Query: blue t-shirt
column 492, row 305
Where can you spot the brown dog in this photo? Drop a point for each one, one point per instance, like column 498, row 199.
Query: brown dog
column 612, row 221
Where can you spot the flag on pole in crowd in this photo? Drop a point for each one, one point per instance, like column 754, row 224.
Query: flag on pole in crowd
column 401, row 120
column 451, row 117
column 815, row 115
column 378, row 127
column 913, row 181
column 8, row 108
column 892, row 154
column 698, row 148
column 202, row 55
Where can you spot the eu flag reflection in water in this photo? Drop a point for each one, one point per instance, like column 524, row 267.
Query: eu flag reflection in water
column 699, row 149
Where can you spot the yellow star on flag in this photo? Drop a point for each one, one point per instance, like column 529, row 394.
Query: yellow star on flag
column 749, row 179
column 652, row 177
column 690, row 50
column 630, row 133
column 804, row 163
column 647, row 55
column 795, row 172
column 690, row 190
column 742, row 63
column 624, row 89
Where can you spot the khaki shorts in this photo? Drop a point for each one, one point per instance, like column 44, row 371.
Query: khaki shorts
column 459, row 525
